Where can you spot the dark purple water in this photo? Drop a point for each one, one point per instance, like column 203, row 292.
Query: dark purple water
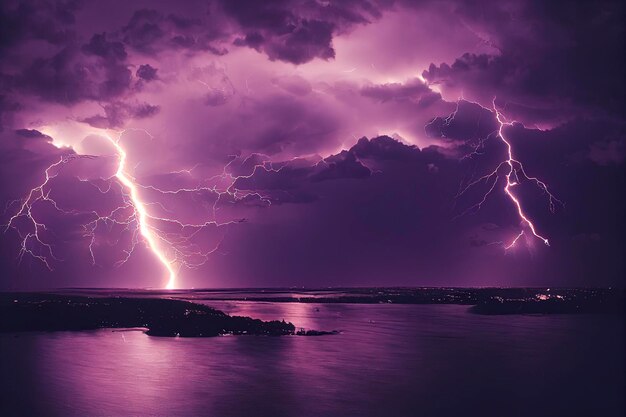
column 390, row 360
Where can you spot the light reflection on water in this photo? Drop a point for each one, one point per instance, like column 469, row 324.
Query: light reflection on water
column 404, row 360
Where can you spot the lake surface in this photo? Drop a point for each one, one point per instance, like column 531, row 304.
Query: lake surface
column 389, row 360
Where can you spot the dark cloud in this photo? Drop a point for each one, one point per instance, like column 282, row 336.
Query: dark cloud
column 310, row 39
column 49, row 21
column 296, row 176
column 7, row 108
column 150, row 31
column 147, row 72
column 296, row 31
column 384, row 148
column 343, row 165
column 116, row 114
column 63, row 71
column 562, row 60
column 69, row 76
column 100, row 46
column 291, row 175
column 31, row 133
column 143, row 30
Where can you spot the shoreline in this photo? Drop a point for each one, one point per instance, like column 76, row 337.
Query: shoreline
column 161, row 317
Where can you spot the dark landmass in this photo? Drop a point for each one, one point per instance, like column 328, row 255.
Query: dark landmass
column 167, row 313
column 554, row 305
column 161, row 317
column 484, row 300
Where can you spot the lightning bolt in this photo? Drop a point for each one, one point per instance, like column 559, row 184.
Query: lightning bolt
column 41, row 193
column 513, row 172
column 169, row 247
column 514, row 169
column 37, row 193
column 142, row 214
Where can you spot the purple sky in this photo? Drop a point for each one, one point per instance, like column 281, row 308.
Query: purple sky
column 311, row 143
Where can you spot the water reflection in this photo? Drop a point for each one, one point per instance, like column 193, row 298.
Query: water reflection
column 389, row 360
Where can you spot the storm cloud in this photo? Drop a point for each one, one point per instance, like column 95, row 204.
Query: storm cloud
column 311, row 143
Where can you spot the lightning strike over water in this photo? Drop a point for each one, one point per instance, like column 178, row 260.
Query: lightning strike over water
column 142, row 216
column 512, row 171
column 133, row 214
column 41, row 193
column 513, row 176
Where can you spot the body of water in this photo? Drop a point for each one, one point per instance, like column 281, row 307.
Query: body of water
column 389, row 360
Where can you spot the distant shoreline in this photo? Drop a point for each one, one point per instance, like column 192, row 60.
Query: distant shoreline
column 178, row 313
column 482, row 300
